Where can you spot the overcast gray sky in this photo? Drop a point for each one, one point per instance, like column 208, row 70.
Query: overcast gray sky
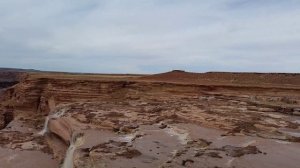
column 150, row 36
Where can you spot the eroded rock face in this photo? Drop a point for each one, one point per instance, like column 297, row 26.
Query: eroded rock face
column 62, row 127
column 4, row 85
column 137, row 122
column 6, row 116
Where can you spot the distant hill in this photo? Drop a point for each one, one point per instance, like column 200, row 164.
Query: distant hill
column 12, row 75
column 17, row 70
column 180, row 76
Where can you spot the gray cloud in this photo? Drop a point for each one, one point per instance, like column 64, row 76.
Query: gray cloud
column 138, row 36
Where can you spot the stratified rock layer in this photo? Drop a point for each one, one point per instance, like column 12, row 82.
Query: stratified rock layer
column 167, row 120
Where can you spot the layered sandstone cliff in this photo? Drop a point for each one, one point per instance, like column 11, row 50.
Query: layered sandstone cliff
column 142, row 120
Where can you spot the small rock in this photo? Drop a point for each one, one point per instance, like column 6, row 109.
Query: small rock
column 179, row 152
column 184, row 162
column 199, row 153
column 162, row 126
column 169, row 161
column 240, row 151
column 129, row 153
column 214, row 155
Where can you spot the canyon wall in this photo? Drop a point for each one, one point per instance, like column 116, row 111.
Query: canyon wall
column 38, row 94
column 125, row 106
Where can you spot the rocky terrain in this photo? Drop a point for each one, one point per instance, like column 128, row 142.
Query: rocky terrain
column 174, row 119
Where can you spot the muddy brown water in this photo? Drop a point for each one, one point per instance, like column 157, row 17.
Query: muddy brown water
column 159, row 146
column 26, row 159
column 274, row 153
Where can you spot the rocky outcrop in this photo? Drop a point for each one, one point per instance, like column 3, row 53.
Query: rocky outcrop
column 7, row 84
column 6, row 116
column 62, row 127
